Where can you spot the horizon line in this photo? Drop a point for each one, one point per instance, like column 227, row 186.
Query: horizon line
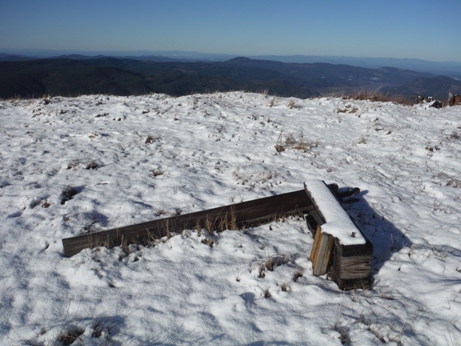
column 44, row 52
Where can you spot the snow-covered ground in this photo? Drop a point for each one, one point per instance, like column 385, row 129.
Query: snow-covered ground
column 134, row 159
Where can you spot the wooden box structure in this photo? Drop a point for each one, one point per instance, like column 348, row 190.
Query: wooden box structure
column 347, row 262
column 345, row 253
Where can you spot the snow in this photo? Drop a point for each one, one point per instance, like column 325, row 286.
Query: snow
column 337, row 221
column 209, row 150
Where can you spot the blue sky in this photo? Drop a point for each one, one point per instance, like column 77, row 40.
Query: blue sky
column 424, row 29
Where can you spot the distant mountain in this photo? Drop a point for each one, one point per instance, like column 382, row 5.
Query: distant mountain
column 67, row 77
column 438, row 87
column 449, row 69
column 13, row 57
column 329, row 78
column 76, row 74
column 78, row 57
column 143, row 58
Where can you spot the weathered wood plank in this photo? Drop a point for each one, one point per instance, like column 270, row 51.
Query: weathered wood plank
column 351, row 265
column 357, row 267
column 323, row 242
column 321, row 252
column 315, row 248
column 235, row 216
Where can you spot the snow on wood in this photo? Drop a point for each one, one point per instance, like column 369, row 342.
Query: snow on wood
column 337, row 222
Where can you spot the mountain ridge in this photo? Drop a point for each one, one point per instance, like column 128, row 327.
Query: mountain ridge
column 450, row 68
column 75, row 75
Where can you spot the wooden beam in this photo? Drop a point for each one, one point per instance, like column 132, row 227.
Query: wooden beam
column 321, row 252
column 235, row 216
column 323, row 242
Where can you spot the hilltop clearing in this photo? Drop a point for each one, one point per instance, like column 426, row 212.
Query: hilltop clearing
column 73, row 165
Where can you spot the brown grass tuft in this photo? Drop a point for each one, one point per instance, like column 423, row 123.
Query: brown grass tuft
column 297, row 275
column 377, row 96
column 208, row 241
column 267, row 294
column 69, row 336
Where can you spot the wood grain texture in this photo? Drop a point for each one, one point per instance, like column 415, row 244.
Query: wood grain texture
column 321, row 252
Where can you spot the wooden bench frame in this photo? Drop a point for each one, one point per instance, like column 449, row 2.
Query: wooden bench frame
column 349, row 266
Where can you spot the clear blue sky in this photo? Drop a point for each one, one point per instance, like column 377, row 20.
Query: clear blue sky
column 425, row 29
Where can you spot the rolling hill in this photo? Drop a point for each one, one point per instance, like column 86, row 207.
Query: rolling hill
column 76, row 75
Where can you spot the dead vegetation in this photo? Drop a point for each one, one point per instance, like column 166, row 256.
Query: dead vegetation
column 67, row 194
column 208, row 241
column 271, row 263
column 348, row 109
column 297, row 275
column 285, row 142
column 149, row 139
column 92, row 165
column 220, row 223
column 284, row 287
column 376, row 96
column 70, row 335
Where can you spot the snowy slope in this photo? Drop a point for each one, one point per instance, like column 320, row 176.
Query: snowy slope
column 204, row 151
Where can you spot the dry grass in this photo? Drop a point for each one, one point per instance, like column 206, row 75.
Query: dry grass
column 348, row 109
column 208, row 241
column 279, row 148
column 343, row 335
column 70, row 335
column 367, row 95
column 303, row 146
column 67, row 194
column 297, row 275
column 454, row 136
column 149, row 139
column 362, row 140
column 92, row 165
column 220, row 223
column 261, row 275
column 377, row 96
column 289, row 141
column 270, row 264
column 267, row 294
column 284, row 287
